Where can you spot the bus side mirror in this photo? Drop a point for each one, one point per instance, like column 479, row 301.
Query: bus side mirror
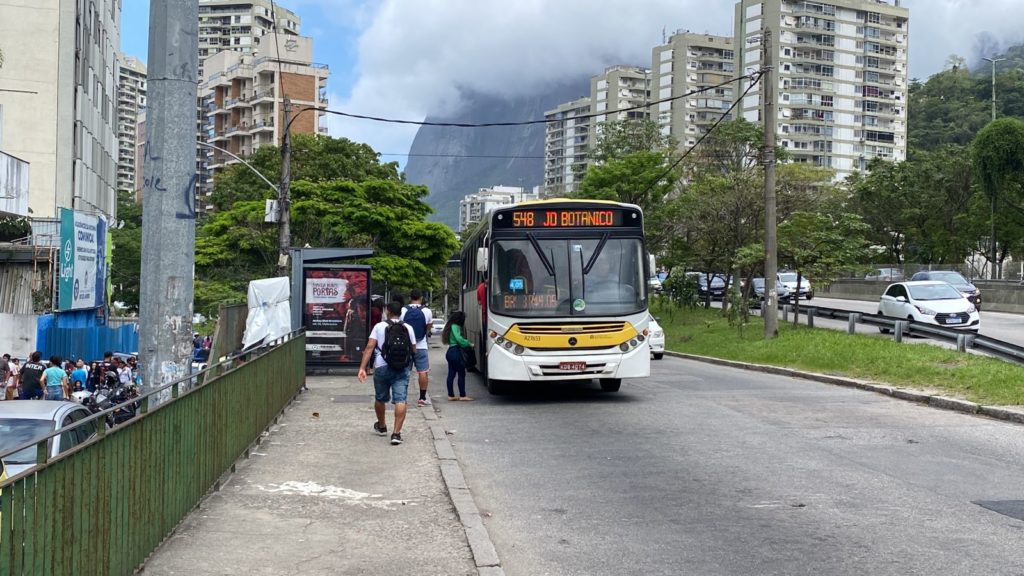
column 481, row 259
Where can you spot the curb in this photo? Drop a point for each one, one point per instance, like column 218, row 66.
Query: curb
column 485, row 556
column 933, row 401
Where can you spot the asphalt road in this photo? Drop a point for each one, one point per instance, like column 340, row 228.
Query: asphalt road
column 707, row 470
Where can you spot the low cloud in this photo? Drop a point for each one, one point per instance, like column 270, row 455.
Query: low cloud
column 417, row 57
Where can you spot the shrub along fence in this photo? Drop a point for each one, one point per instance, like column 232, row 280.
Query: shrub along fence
column 104, row 505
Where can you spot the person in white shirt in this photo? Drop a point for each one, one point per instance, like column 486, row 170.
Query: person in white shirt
column 420, row 322
column 388, row 383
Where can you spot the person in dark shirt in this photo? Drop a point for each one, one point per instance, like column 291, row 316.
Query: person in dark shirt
column 31, row 377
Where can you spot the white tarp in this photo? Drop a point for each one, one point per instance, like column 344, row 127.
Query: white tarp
column 270, row 315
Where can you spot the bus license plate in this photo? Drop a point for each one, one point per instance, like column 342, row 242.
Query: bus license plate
column 572, row 366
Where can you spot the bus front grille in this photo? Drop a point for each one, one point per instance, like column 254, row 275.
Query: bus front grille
column 596, row 328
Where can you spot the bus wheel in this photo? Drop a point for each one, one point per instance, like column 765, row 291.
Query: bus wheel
column 496, row 387
column 611, row 384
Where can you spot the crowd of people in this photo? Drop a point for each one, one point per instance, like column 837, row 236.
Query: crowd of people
column 58, row 379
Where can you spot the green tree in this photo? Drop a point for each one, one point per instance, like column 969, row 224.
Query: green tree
column 820, row 246
column 314, row 159
column 127, row 252
column 12, row 228
column 998, row 158
column 362, row 204
column 632, row 161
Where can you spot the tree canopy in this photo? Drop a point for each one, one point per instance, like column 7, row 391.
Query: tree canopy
column 341, row 195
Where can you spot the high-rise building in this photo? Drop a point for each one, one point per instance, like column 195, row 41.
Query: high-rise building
column 617, row 88
column 243, row 96
column 237, row 26
column 58, row 106
column 566, row 145
column 841, row 90
column 686, row 63
column 240, row 25
column 474, row 207
column 131, row 102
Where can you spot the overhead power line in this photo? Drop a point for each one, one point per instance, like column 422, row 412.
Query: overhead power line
column 750, row 76
column 754, row 79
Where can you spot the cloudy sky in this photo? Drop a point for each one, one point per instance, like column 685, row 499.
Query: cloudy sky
column 409, row 58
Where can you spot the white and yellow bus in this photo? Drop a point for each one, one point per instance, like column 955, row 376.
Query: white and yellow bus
column 564, row 293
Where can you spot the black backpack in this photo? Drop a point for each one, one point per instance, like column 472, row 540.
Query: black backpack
column 397, row 349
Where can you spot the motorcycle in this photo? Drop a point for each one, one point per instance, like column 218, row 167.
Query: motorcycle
column 111, row 393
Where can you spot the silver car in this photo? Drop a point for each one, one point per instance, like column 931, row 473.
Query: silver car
column 26, row 420
column 656, row 338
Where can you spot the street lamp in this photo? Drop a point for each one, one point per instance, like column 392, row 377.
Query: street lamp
column 993, row 273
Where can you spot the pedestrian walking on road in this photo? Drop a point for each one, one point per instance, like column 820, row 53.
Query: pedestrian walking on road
column 452, row 334
column 56, row 380
column 419, row 317
column 394, row 342
column 32, row 377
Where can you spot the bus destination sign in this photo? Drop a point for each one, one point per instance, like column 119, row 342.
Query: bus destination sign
column 566, row 218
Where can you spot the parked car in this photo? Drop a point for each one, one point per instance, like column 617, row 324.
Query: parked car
column 789, row 279
column 656, row 338
column 929, row 302
column 969, row 290
column 716, row 289
column 890, row 274
column 758, row 292
column 25, row 420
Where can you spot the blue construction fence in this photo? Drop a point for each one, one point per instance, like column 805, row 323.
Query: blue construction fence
column 83, row 334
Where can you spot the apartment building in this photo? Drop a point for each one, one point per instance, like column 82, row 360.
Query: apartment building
column 688, row 62
column 58, row 107
column 131, row 102
column 841, row 88
column 474, row 207
column 237, row 26
column 243, row 96
column 566, row 145
column 240, row 25
column 616, row 89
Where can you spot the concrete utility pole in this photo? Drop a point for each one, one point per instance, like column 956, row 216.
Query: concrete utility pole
column 993, row 273
column 771, row 264
column 284, row 239
column 168, row 210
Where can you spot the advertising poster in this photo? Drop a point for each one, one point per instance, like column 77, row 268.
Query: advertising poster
column 335, row 314
column 83, row 261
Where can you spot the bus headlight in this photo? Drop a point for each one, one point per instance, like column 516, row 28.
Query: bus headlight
column 500, row 340
column 519, row 349
column 633, row 342
column 624, row 347
column 641, row 337
column 507, row 345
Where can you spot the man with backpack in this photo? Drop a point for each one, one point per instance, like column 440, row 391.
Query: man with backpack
column 394, row 342
column 420, row 318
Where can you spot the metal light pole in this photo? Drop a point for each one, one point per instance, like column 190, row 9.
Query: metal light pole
column 993, row 273
column 771, row 248
column 169, row 212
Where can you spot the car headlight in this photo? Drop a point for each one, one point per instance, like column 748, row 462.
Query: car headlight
column 657, row 334
column 925, row 311
column 971, row 309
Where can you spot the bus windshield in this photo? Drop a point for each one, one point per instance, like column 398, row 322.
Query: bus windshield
column 543, row 277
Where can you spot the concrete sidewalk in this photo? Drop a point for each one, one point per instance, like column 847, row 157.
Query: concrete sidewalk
column 325, row 495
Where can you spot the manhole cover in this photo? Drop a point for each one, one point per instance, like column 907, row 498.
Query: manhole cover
column 1011, row 508
column 352, row 399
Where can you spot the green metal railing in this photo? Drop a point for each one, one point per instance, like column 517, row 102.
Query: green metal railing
column 105, row 505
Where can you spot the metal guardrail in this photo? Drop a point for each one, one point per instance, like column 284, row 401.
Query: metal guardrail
column 105, row 505
column 963, row 340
